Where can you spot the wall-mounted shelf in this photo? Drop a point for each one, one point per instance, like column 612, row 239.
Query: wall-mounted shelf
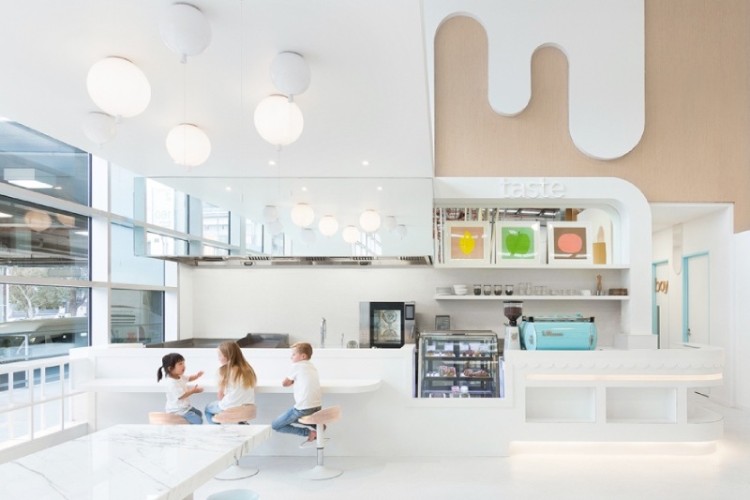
column 546, row 267
column 531, row 297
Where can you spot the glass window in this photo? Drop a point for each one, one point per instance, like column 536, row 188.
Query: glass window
column 214, row 251
column 42, row 321
column 41, row 242
column 129, row 268
column 34, row 161
column 159, row 244
column 137, row 316
column 165, row 207
column 253, row 236
column 215, row 223
column 123, row 191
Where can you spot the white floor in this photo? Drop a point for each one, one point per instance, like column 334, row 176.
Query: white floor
column 723, row 473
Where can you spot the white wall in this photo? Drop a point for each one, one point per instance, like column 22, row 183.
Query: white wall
column 741, row 327
column 713, row 234
column 231, row 302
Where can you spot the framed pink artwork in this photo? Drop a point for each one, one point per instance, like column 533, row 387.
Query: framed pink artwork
column 569, row 243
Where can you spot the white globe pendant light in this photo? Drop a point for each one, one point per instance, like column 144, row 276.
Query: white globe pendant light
column 278, row 120
column 328, row 225
column 302, row 215
column 350, row 234
column 290, row 73
column 99, row 127
column 270, row 213
column 369, row 221
column 185, row 30
column 390, row 223
column 188, row 145
column 118, row 87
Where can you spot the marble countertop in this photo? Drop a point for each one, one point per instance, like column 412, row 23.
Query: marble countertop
column 130, row 462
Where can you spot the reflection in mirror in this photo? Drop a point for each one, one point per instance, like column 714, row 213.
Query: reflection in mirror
column 242, row 205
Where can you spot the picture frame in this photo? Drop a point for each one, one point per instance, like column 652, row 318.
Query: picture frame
column 569, row 243
column 442, row 322
column 518, row 243
column 467, row 243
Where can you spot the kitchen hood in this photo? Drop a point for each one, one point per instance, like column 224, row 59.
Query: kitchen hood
column 250, row 261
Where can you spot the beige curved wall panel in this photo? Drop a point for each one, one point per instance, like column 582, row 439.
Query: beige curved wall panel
column 696, row 141
column 603, row 42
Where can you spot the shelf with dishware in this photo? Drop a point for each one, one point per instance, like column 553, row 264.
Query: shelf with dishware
column 530, row 297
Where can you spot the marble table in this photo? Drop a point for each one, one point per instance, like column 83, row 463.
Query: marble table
column 130, row 462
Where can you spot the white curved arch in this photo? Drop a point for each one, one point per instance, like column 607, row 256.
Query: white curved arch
column 605, row 45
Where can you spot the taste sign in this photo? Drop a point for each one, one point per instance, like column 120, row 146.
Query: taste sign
column 531, row 189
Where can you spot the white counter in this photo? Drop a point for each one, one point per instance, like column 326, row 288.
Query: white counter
column 600, row 396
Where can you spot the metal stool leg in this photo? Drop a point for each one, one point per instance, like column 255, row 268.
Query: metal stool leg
column 320, row 471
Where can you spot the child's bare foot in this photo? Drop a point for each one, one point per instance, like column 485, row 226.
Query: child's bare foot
column 310, row 440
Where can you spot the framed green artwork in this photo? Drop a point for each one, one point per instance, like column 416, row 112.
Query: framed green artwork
column 518, row 243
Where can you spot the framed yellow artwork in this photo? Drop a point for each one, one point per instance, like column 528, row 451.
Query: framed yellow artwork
column 467, row 243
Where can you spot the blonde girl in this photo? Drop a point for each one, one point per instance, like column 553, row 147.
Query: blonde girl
column 237, row 380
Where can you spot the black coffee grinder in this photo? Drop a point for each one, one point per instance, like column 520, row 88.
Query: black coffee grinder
column 513, row 310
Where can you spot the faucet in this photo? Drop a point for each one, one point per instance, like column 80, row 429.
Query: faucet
column 323, row 333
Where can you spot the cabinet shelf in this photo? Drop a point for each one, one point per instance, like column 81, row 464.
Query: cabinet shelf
column 457, row 377
column 461, row 358
column 539, row 266
column 532, row 297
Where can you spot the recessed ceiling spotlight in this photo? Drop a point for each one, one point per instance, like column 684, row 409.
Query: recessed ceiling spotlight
column 365, row 163
column 272, row 163
column 380, row 188
column 304, row 188
column 228, row 188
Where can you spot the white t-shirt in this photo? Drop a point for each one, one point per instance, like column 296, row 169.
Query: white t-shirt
column 307, row 393
column 176, row 387
column 237, row 395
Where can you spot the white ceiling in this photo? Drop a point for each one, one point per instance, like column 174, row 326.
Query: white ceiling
column 367, row 101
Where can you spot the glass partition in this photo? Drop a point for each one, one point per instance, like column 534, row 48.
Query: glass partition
column 137, row 316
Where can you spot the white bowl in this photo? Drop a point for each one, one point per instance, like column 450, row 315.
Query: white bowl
column 460, row 289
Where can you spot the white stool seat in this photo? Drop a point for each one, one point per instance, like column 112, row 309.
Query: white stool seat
column 320, row 418
column 239, row 494
column 236, row 415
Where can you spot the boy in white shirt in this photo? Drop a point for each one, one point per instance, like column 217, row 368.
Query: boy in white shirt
column 307, row 394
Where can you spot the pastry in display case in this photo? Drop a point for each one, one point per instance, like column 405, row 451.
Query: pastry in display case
column 459, row 363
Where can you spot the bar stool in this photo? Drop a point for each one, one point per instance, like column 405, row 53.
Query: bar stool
column 236, row 415
column 162, row 418
column 320, row 418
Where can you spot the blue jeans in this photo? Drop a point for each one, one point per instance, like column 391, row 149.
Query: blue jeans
column 211, row 410
column 283, row 422
column 194, row 416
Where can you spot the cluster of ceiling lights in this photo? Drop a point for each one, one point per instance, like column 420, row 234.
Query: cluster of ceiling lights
column 278, row 119
column 121, row 90
column 303, row 216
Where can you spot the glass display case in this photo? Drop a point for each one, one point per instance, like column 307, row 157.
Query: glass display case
column 459, row 364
